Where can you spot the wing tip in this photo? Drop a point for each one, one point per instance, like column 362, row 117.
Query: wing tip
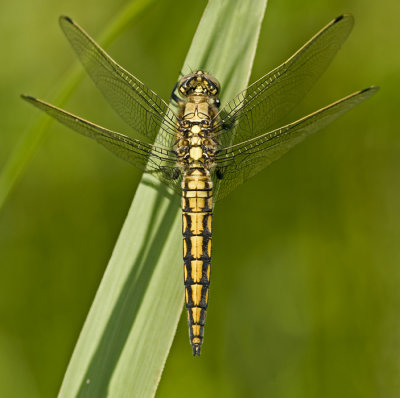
column 27, row 97
column 345, row 19
column 337, row 19
column 343, row 16
column 371, row 89
column 66, row 19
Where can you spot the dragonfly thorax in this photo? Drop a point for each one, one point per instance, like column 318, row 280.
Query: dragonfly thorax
column 195, row 145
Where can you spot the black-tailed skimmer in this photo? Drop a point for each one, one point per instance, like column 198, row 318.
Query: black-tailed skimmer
column 203, row 150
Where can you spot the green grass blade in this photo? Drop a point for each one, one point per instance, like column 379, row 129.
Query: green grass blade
column 29, row 142
column 127, row 335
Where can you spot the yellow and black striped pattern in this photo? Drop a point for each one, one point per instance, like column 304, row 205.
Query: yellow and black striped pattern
column 196, row 230
column 195, row 149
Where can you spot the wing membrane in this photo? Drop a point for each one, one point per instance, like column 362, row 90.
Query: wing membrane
column 239, row 162
column 137, row 105
column 271, row 97
column 149, row 158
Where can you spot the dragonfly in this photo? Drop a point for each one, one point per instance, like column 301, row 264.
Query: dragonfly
column 200, row 148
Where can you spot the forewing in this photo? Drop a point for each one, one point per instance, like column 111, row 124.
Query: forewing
column 241, row 161
column 270, row 98
column 137, row 105
column 153, row 159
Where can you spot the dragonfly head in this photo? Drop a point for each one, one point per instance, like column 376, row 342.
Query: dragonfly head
column 198, row 83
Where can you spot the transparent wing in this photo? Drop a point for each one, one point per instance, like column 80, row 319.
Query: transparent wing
column 137, row 105
column 270, row 98
column 239, row 162
column 156, row 160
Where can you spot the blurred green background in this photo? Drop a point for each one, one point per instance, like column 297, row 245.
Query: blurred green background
column 305, row 295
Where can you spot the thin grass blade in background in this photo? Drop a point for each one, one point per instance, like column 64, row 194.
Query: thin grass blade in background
column 128, row 333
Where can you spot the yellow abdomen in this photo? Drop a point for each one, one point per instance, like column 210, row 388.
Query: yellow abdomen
column 196, row 230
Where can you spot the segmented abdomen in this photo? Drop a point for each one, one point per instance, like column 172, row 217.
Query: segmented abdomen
column 196, row 230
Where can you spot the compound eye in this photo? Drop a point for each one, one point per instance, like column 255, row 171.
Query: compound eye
column 205, row 122
column 217, row 102
column 185, row 124
column 213, row 89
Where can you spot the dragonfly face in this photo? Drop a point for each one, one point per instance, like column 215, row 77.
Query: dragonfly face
column 201, row 151
column 199, row 83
